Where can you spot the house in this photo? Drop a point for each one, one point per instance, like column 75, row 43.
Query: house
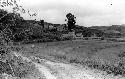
column 78, row 35
column 36, row 25
column 49, row 26
column 46, row 25
column 61, row 27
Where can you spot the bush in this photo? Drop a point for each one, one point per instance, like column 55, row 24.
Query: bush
column 110, row 69
column 122, row 54
column 75, row 61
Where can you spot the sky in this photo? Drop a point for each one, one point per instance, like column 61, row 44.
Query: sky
column 87, row 12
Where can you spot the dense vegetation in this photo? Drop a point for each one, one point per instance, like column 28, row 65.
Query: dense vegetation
column 16, row 29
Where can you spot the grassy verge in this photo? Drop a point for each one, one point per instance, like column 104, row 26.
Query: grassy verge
column 14, row 66
column 82, row 53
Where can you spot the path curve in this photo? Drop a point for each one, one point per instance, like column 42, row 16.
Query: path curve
column 56, row 70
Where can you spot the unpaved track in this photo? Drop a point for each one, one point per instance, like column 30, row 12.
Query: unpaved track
column 54, row 70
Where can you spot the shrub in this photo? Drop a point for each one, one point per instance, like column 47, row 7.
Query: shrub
column 74, row 61
column 122, row 54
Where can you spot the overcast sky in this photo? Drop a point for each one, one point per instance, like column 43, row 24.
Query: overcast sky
column 87, row 12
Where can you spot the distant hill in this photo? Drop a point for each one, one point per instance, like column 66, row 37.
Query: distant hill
column 111, row 29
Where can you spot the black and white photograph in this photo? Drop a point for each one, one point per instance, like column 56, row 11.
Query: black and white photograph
column 62, row 39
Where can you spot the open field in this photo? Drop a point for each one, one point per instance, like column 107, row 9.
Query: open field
column 102, row 55
column 77, row 59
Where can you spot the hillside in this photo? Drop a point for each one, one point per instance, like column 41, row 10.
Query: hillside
column 115, row 28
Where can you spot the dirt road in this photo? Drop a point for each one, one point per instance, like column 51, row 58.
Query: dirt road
column 56, row 70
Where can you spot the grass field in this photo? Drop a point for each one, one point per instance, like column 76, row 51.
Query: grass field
column 95, row 54
column 102, row 55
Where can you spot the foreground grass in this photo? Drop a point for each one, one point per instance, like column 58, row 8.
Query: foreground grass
column 105, row 56
column 14, row 67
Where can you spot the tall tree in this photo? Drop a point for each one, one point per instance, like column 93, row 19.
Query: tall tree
column 71, row 20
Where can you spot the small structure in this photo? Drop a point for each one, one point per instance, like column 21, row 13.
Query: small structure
column 51, row 27
column 61, row 27
column 46, row 25
column 78, row 35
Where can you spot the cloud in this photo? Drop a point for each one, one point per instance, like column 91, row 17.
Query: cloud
column 88, row 12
